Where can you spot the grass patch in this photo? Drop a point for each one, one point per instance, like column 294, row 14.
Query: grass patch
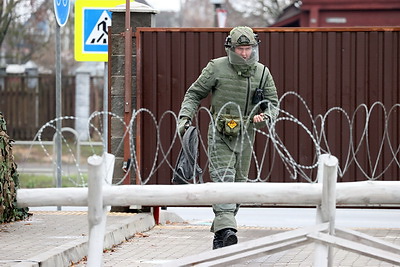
column 48, row 181
column 37, row 153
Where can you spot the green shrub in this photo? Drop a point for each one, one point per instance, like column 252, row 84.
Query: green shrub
column 9, row 180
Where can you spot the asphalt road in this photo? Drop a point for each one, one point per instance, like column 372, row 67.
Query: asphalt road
column 298, row 217
column 285, row 217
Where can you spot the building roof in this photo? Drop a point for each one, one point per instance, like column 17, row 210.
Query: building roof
column 289, row 14
column 298, row 14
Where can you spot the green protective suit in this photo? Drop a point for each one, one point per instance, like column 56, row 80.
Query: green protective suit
column 230, row 156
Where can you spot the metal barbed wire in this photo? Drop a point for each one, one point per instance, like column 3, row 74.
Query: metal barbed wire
column 317, row 134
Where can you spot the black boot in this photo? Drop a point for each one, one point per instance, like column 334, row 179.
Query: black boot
column 229, row 237
column 224, row 238
column 217, row 242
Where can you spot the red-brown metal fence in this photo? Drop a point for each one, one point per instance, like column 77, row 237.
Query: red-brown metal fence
column 26, row 108
column 341, row 67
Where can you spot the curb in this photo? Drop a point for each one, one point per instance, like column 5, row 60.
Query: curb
column 115, row 234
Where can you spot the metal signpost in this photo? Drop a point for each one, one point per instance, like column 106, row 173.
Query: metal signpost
column 61, row 11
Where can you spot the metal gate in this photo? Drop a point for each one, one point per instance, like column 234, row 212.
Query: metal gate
column 327, row 67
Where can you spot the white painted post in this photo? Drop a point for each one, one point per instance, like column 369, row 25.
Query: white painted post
column 32, row 83
column 100, row 170
column 95, row 211
column 110, row 162
column 330, row 175
column 82, row 101
column 326, row 211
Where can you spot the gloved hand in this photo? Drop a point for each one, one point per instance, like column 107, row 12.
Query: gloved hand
column 260, row 121
column 258, row 118
column 183, row 124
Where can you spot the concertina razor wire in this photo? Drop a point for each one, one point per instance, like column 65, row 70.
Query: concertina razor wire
column 315, row 130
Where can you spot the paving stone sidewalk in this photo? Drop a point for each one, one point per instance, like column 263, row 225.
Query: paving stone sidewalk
column 173, row 241
column 59, row 238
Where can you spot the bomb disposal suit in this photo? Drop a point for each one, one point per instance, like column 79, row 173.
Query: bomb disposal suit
column 232, row 80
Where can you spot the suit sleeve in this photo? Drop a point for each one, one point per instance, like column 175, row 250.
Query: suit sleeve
column 271, row 96
column 198, row 91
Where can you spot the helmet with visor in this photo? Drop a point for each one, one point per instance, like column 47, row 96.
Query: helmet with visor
column 241, row 46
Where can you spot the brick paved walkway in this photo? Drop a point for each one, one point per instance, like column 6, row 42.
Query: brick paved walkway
column 59, row 238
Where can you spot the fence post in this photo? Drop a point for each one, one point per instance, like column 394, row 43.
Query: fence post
column 82, row 101
column 97, row 213
column 32, row 84
column 326, row 211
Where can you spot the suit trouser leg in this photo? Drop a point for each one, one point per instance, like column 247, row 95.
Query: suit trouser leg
column 227, row 166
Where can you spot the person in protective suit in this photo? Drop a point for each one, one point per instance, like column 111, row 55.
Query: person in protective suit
column 238, row 108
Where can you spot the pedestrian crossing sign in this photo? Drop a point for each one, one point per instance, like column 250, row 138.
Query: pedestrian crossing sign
column 92, row 19
column 96, row 34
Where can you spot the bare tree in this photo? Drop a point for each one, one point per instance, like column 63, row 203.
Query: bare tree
column 168, row 19
column 256, row 13
column 7, row 14
column 197, row 14
column 31, row 36
column 253, row 13
column 28, row 32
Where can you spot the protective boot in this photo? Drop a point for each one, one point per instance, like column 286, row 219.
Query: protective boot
column 229, row 237
column 225, row 237
column 218, row 241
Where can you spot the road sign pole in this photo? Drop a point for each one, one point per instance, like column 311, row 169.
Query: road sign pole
column 58, row 106
column 128, row 85
column 105, row 108
column 61, row 11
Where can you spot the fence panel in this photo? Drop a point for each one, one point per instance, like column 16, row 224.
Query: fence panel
column 26, row 109
column 339, row 67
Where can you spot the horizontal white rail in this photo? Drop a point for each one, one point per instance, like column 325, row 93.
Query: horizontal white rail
column 325, row 195
column 351, row 193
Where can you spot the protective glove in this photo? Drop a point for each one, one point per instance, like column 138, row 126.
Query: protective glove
column 264, row 122
column 183, row 124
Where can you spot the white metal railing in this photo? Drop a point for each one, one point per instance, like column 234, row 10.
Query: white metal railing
column 325, row 195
